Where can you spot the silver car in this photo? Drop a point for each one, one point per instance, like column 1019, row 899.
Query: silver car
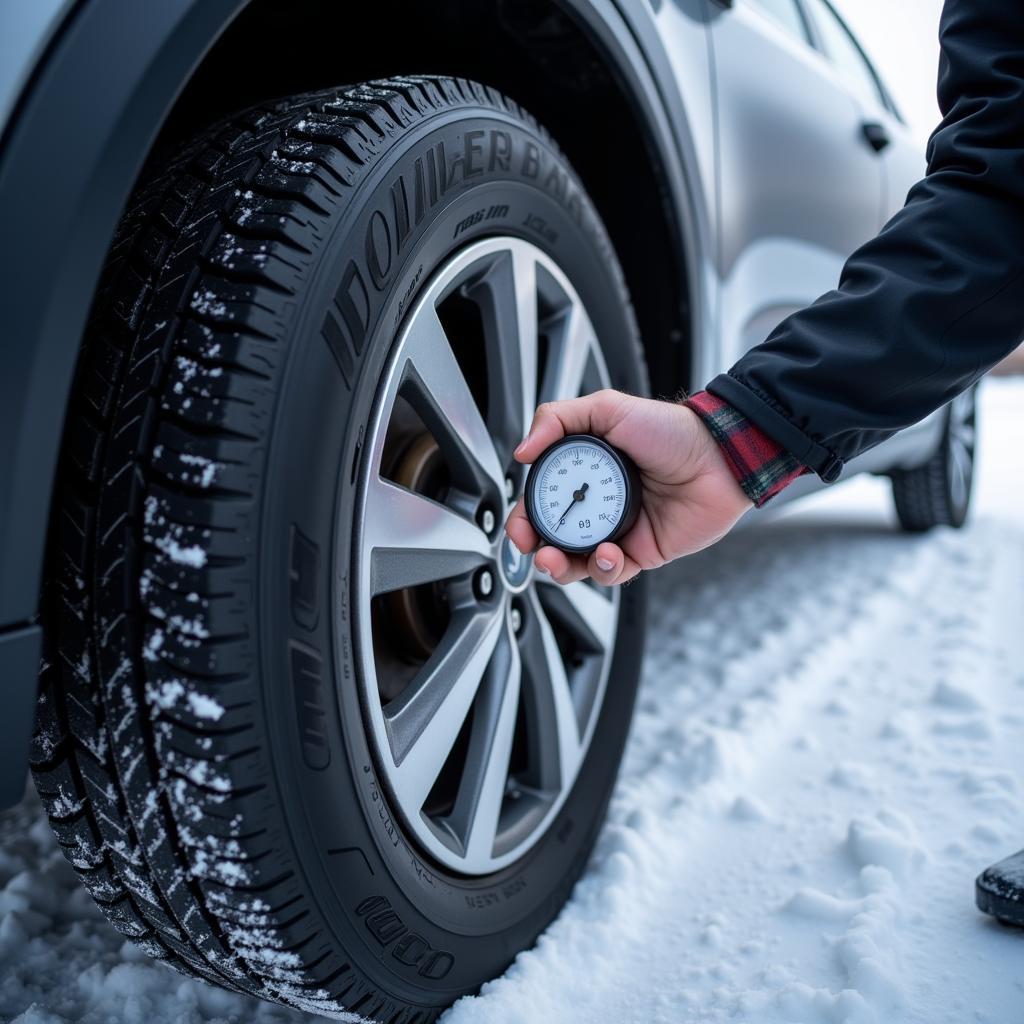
column 303, row 720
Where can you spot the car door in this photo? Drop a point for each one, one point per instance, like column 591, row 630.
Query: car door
column 800, row 184
column 900, row 153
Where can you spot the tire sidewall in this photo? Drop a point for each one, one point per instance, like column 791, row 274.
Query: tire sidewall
column 422, row 926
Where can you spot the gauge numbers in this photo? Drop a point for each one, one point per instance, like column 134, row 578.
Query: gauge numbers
column 579, row 493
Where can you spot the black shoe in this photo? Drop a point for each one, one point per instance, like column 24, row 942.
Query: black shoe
column 999, row 890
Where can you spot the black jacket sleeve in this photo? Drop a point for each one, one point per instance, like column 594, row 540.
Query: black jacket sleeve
column 926, row 307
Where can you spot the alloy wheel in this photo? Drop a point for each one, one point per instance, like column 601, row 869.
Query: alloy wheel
column 481, row 682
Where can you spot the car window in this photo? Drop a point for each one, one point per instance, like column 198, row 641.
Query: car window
column 787, row 14
column 844, row 52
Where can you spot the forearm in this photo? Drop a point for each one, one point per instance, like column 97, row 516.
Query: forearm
column 937, row 298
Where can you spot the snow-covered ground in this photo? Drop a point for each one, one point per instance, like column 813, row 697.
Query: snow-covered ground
column 827, row 749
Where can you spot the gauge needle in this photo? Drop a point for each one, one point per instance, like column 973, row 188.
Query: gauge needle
column 576, row 496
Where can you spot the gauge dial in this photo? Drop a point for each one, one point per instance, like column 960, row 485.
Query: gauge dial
column 581, row 492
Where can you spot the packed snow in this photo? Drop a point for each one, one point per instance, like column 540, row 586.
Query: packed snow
column 827, row 750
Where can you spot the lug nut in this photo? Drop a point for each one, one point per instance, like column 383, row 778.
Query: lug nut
column 516, row 617
column 487, row 521
column 510, row 488
column 484, row 583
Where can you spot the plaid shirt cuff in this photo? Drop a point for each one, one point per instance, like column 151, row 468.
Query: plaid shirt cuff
column 762, row 467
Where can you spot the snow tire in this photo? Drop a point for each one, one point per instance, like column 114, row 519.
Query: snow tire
column 199, row 748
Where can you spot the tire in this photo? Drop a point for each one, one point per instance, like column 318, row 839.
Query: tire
column 208, row 744
column 938, row 493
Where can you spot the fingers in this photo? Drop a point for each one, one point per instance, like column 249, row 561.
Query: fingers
column 593, row 414
column 606, row 563
column 561, row 567
column 519, row 530
column 609, row 565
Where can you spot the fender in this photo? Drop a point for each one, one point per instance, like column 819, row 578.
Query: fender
column 663, row 110
column 630, row 38
column 71, row 154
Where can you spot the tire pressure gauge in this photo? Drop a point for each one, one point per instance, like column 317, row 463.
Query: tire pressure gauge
column 582, row 492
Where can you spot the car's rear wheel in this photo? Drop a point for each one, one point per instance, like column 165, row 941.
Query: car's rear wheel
column 309, row 727
column 938, row 493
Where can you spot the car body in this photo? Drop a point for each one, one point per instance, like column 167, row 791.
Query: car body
column 770, row 150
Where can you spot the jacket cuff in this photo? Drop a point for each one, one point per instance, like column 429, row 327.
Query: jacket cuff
column 761, row 411
column 762, row 467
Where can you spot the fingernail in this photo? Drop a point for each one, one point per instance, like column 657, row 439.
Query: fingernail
column 605, row 565
column 544, row 569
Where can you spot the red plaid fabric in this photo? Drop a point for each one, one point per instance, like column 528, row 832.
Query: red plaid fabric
column 761, row 466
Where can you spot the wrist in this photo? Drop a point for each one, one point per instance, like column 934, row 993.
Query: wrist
column 760, row 466
column 712, row 466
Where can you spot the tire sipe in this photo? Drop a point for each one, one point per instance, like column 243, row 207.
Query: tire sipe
column 938, row 493
column 225, row 646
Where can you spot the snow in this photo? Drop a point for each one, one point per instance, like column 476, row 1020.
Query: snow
column 826, row 752
column 207, row 303
column 205, row 707
column 184, row 554
column 207, row 467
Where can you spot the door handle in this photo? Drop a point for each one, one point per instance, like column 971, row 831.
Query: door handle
column 876, row 135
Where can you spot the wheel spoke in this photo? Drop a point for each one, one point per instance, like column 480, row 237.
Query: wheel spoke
column 567, row 363
column 438, row 391
column 588, row 613
column 414, row 540
column 507, row 298
column 474, row 819
column 424, row 722
column 552, row 722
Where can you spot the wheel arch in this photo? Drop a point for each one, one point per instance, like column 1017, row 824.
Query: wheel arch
column 79, row 140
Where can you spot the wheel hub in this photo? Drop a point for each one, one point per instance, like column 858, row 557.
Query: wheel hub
column 516, row 568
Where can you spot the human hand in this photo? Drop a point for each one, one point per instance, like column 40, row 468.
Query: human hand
column 690, row 497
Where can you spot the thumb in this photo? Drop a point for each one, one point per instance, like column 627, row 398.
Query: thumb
column 593, row 414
